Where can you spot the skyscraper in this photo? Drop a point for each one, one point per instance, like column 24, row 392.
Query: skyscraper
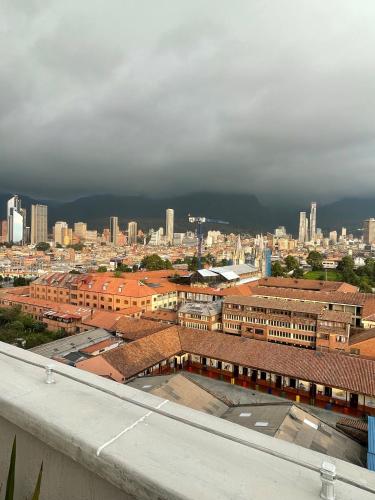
column 313, row 221
column 169, row 225
column 59, row 232
column 16, row 220
column 39, row 224
column 303, row 226
column 80, row 230
column 113, row 229
column 132, row 232
column 369, row 231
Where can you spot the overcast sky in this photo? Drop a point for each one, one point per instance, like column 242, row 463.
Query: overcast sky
column 271, row 97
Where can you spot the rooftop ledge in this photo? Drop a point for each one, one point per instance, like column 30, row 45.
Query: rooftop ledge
column 149, row 448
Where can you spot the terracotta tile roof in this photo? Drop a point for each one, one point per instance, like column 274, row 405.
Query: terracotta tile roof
column 99, row 345
column 331, row 369
column 131, row 359
column 362, row 336
column 336, row 316
column 304, row 284
column 102, row 283
column 103, row 319
column 354, row 423
column 19, row 290
column 100, row 366
column 369, row 307
column 161, row 315
column 337, row 297
column 48, row 305
column 274, row 303
column 134, row 329
column 199, row 289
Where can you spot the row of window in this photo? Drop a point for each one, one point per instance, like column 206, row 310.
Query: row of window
column 232, row 326
column 288, row 335
column 198, row 326
column 272, row 322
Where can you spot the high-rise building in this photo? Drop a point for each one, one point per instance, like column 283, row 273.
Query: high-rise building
column 169, row 225
column 80, row 230
column 313, row 221
column 280, row 231
column 343, row 232
column 132, row 232
column 39, row 224
column 113, row 230
column 333, row 237
column 302, row 236
column 16, row 219
column 59, row 232
column 369, row 231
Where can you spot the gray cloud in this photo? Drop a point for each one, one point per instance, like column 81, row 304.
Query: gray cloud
column 133, row 96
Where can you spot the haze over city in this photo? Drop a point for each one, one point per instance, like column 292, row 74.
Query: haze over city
column 268, row 98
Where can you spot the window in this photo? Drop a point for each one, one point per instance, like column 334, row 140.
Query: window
column 259, row 331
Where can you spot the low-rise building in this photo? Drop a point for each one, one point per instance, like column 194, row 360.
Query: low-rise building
column 200, row 315
column 100, row 291
column 294, row 323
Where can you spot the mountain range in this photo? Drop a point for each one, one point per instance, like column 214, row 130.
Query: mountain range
column 244, row 212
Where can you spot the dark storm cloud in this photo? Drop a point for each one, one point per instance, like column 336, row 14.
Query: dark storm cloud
column 173, row 96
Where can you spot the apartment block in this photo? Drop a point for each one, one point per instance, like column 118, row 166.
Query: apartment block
column 104, row 292
column 292, row 323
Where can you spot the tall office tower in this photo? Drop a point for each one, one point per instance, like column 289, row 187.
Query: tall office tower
column 369, row 231
column 132, row 232
column 333, row 237
column 80, row 230
column 113, row 229
column 59, row 232
column 169, row 225
column 39, row 224
column 313, row 221
column 280, row 231
column 302, row 227
column 343, row 233
column 16, row 221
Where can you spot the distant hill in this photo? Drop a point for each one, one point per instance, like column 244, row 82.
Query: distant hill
column 244, row 212
column 241, row 211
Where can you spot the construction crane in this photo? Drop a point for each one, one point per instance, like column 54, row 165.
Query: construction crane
column 199, row 221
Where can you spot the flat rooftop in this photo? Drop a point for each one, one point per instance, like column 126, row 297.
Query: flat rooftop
column 151, row 448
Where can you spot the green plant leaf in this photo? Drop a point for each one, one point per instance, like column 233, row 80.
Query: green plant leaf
column 38, row 483
column 9, row 493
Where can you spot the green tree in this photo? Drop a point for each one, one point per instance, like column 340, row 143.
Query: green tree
column 43, row 246
column 277, row 269
column 298, row 273
column 154, row 263
column 209, row 259
column 77, row 246
column 291, row 263
column 192, row 263
column 346, row 264
column 21, row 281
column 315, row 260
column 102, row 269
